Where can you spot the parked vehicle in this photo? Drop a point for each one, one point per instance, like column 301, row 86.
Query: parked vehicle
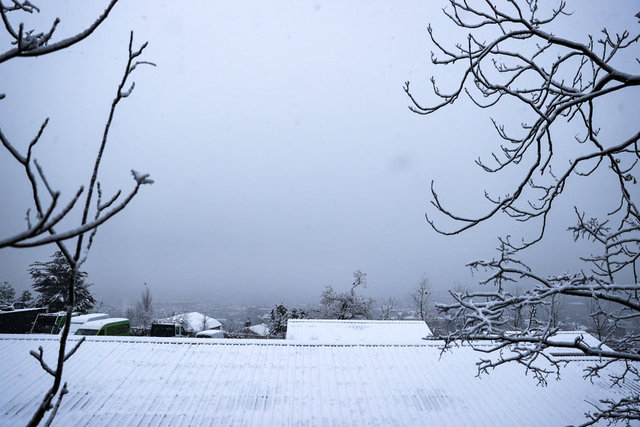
column 49, row 323
column 210, row 333
column 78, row 321
column 115, row 326
column 20, row 320
column 168, row 330
column 52, row 323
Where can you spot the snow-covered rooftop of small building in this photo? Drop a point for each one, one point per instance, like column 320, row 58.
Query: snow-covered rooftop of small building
column 193, row 322
column 172, row 381
column 260, row 329
column 357, row 331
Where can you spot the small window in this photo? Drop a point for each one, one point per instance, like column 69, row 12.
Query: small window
column 101, row 332
column 86, row 332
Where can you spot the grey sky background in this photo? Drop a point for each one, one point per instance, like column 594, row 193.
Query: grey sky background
column 282, row 149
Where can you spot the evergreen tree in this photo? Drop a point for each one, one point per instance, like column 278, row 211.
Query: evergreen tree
column 279, row 316
column 7, row 293
column 26, row 298
column 51, row 280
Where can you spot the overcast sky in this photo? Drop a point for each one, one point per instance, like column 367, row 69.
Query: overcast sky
column 279, row 138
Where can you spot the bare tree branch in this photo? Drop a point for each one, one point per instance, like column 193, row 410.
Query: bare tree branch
column 562, row 83
column 36, row 45
column 49, row 214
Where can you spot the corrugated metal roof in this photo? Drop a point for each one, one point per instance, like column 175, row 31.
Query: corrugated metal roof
column 358, row 331
column 132, row 381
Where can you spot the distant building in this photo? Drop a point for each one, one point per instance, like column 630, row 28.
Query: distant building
column 261, row 330
column 255, row 331
column 328, row 331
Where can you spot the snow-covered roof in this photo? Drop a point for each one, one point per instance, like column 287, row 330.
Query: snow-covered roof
column 193, row 322
column 357, row 331
column 19, row 310
column 261, row 329
column 171, row 381
column 210, row 333
column 83, row 318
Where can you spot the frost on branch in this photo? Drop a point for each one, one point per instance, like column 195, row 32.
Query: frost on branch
column 141, row 178
column 50, row 206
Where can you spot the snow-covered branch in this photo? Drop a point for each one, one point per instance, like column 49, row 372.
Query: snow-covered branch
column 511, row 57
column 50, row 212
column 29, row 43
column 541, row 73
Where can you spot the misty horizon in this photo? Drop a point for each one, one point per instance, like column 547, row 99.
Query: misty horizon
column 283, row 152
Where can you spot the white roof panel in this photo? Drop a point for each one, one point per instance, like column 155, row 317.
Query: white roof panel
column 357, row 331
column 83, row 318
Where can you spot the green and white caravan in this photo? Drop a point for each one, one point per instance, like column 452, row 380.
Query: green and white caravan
column 113, row 326
column 78, row 321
